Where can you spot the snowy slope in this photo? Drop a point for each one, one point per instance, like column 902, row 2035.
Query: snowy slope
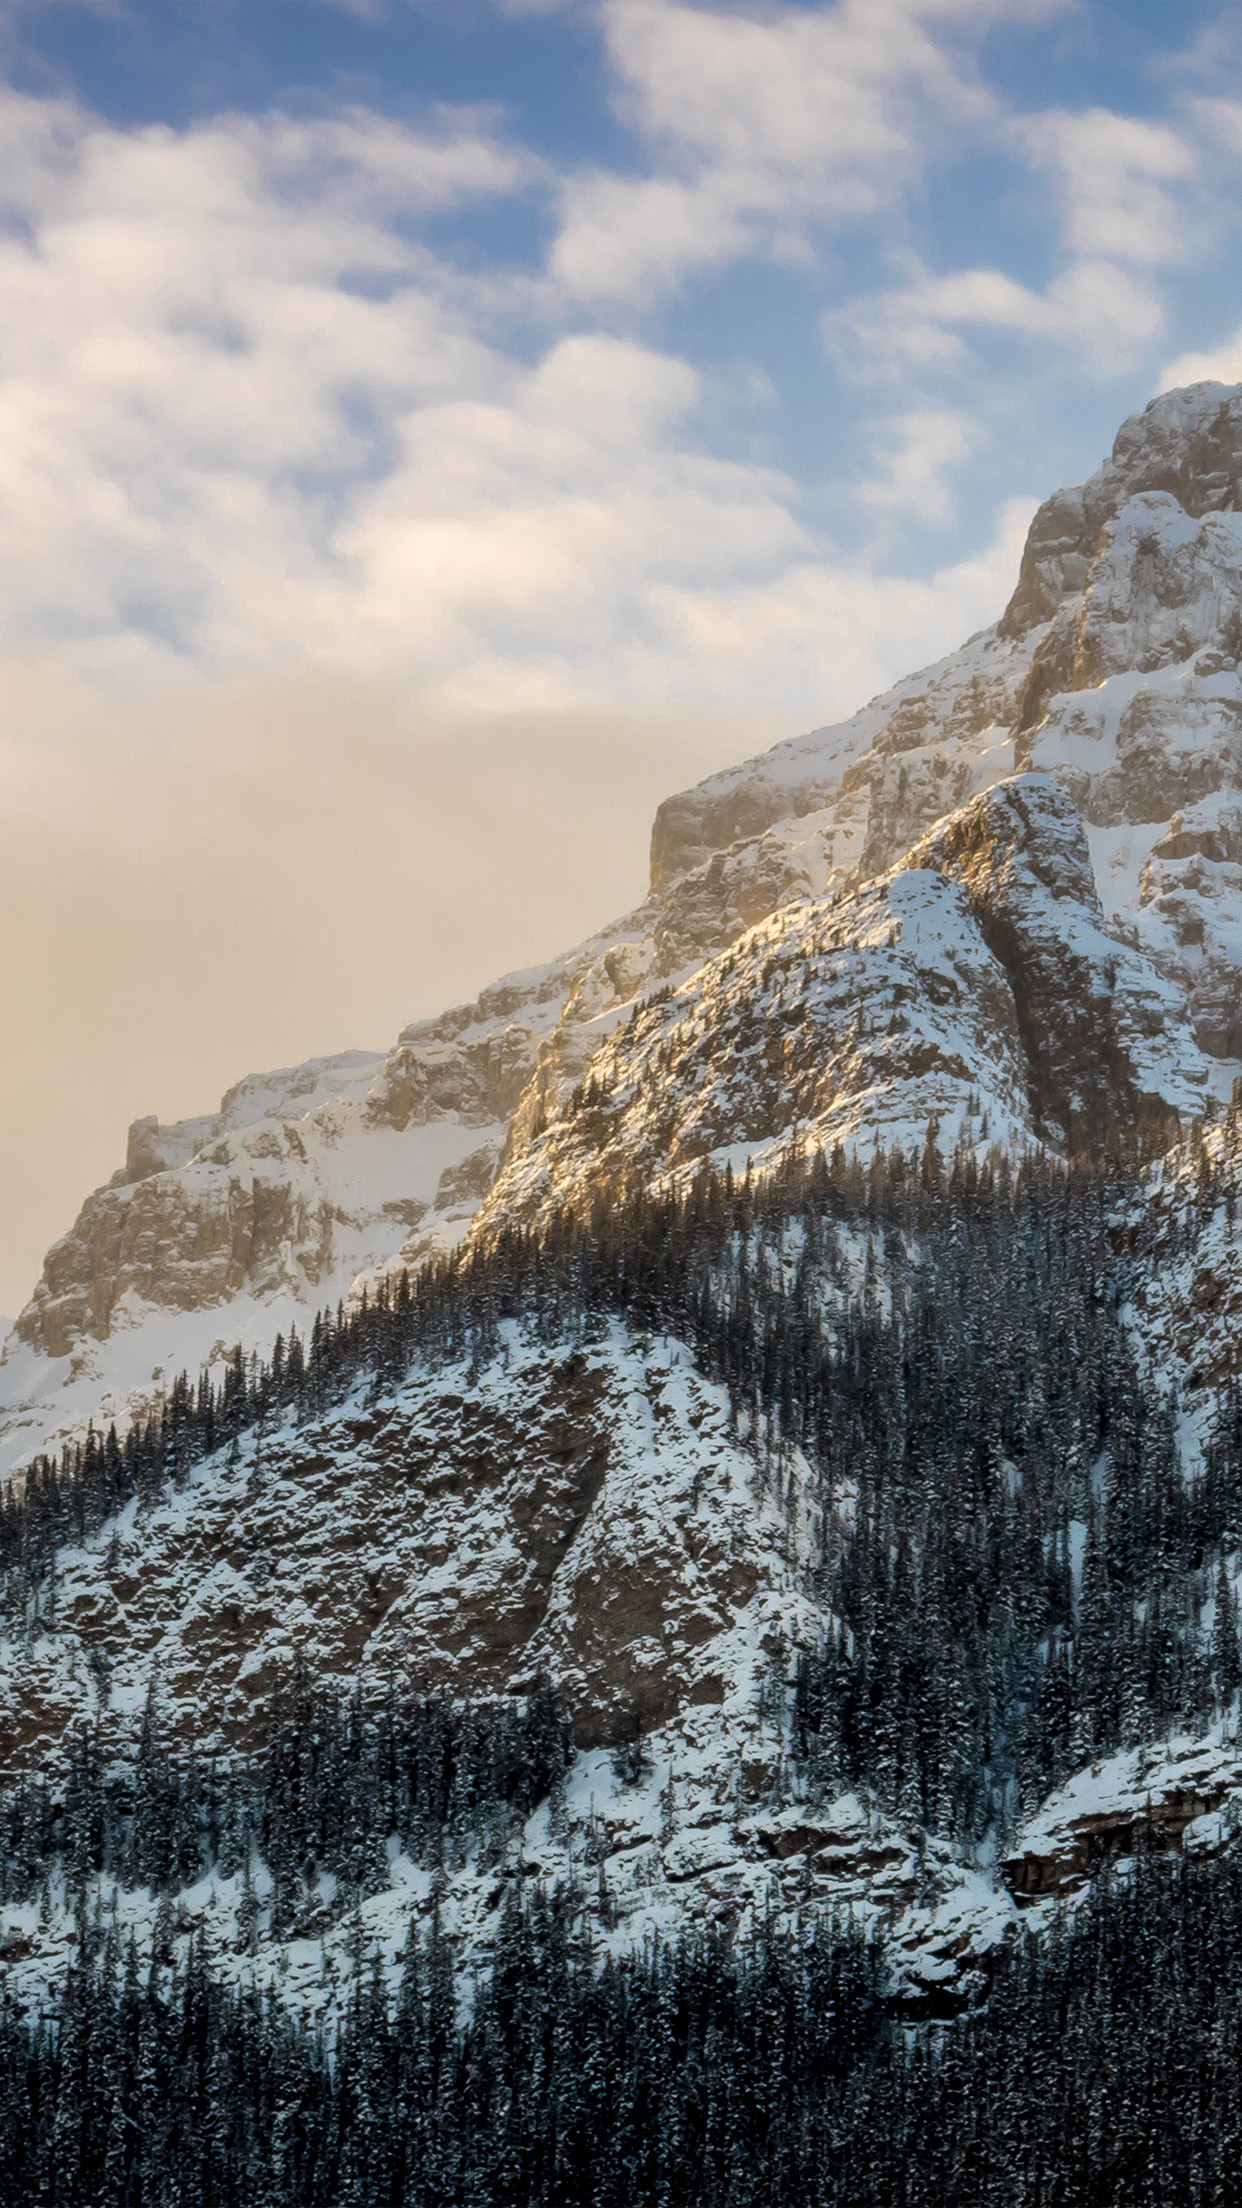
column 1115, row 668
column 974, row 985
column 1185, row 1311
column 583, row 1513
column 1182, row 1795
column 256, row 1231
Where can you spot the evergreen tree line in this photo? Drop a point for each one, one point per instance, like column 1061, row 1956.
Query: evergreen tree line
column 762, row 2074
column 1020, row 1573
column 1023, row 1575
column 326, row 1789
column 693, row 1263
column 1021, row 1570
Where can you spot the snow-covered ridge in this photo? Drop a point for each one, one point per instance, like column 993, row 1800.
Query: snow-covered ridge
column 289, row 1092
column 973, row 986
column 1115, row 669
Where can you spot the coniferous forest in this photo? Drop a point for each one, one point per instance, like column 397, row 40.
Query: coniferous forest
column 1023, row 1576
column 1104, row 2069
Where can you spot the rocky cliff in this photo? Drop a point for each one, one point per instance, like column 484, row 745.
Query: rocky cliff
column 1002, row 905
column 1115, row 669
column 973, row 987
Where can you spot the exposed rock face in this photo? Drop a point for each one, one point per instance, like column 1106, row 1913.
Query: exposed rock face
column 947, row 708
column 1186, row 1295
column 289, row 1093
column 1114, row 669
column 581, row 1513
column 587, row 1514
column 973, row 985
column 1187, row 444
column 1104, row 1041
column 1180, row 1796
column 285, row 1207
column 1183, row 449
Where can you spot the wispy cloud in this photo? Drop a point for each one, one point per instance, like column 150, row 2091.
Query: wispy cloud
column 1100, row 313
column 1118, row 179
column 916, row 451
column 765, row 128
column 1123, row 212
column 838, row 626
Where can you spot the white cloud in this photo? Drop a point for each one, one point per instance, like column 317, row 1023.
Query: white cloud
column 1112, row 317
column 244, row 419
column 1118, row 177
column 839, row 631
column 1219, row 119
column 205, row 336
column 379, row 11
column 916, row 451
column 765, row 125
column 1124, row 211
column 1100, row 311
column 528, row 531
column 1218, row 364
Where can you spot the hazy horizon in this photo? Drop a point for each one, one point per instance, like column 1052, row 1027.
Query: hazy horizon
column 303, row 871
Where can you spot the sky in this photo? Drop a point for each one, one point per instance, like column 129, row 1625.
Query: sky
column 432, row 430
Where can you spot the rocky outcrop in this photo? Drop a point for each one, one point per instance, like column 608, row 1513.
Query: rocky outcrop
column 1186, row 444
column 973, row 986
column 944, row 711
column 583, row 1514
column 287, row 1207
column 289, row 1093
column 1182, row 1796
column 1104, row 1042
column 1185, row 1311
column 1181, row 453
column 997, row 1005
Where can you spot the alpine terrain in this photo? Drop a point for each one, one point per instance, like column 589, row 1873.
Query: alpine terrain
column 637, row 1601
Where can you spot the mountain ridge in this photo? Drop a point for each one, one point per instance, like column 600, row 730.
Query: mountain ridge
column 1149, row 750
column 775, row 1372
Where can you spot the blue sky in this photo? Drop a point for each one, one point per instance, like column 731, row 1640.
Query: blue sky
column 618, row 352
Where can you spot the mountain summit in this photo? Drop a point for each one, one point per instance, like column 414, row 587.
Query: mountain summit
column 737, row 1426
column 843, row 939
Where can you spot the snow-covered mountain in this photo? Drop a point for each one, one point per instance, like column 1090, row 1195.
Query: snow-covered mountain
column 974, row 985
column 1115, row 669
column 1003, row 903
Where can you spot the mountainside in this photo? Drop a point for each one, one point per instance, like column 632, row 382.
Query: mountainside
column 766, row 1471
column 973, row 985
column 1114, row 668
column 785, row 1566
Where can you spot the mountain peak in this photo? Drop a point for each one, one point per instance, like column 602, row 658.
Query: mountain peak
column 1187, row 443
column 1112, row 685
